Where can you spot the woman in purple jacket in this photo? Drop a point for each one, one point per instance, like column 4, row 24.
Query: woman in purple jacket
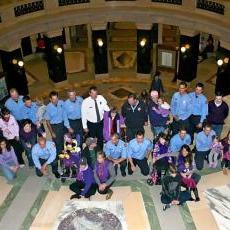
column 85, row 185
column 8, row 160
column 104, row 174
column 190, row 179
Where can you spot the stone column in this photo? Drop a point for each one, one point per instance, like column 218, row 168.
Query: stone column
column 67, row 38
column 13, row 65
column 188, row 55
column 144, row 46
column 100, row 50
column 90, row 62
column 55, row 56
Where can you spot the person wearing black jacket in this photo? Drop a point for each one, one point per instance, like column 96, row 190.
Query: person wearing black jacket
column 171, row 189
column 135, row 115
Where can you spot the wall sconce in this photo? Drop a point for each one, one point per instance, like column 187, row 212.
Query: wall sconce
column 20, row 63
column 100, row 42
column 220, row 62
column 143, row 42
column 226, row 60
column 58, row 49
column 182, row 49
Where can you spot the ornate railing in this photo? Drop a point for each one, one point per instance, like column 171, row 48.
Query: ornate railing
column 176, row 2
column 71, row 2
column 210, row 6
column 28, row 8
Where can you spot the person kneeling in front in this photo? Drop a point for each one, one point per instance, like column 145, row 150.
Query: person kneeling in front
column 104, row 175
column 138, row 151
column 85, row 185
column 43, row 154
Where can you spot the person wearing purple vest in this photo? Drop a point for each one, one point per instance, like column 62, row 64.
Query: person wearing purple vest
column 104, row 175
column 85, row 185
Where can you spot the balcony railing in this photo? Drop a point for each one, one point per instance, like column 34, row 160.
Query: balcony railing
column 210, row 6
column 28, row 8
column 175, row 2
column 71, row 2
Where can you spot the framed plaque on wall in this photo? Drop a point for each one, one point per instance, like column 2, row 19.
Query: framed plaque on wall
column 166, row 58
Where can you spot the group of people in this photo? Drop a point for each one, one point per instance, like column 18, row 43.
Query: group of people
column 90, row 140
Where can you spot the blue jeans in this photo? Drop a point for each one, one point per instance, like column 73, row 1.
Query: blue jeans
column 7, row 172
column 218, row 129
column 157, row 130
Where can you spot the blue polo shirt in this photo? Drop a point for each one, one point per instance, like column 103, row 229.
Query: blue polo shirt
column 15, row 107
column 199, row 105
column 139, row 150
column 177, row 142
column 30, row 112
column 47, row 153
column 55, row 114
column 115, row 151
column 203, row 141
column 181, row 105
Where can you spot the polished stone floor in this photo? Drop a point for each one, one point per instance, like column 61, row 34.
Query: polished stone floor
column 24, row 200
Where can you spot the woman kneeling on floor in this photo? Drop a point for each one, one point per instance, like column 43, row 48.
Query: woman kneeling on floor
column 85, row 185
column 190, row 179
column 104, row 175
column 171, row 189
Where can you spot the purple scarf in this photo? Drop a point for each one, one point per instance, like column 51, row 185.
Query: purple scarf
column 102, row 171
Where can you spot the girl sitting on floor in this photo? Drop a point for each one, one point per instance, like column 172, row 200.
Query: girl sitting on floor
column 8, row 160
column 85, row 185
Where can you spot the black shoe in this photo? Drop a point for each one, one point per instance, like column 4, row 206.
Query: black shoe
column 75, row 196
column 197, row 199
column 166, row 207
column 123, row 174
column 57, row 175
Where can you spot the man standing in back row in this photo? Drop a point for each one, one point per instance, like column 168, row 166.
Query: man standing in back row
column 92, row 111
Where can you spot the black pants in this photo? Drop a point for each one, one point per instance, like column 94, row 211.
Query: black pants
column 131, row 132
column 123, row 166
column 200, row 156
column 105, row 191
column 183, row 197
column 194, row 120
column 59, row 130
column 176, row 125
column 18, row 148
column 225, row 163
column 54, row 166
column 161, row 165
column 96, row 130
column 77, row 187
column 76, row 125
column 142, row 164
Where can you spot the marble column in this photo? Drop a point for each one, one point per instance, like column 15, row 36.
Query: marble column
column 155, row 39
column 160, row 34
column 144, row 46
column 55, row 56
column 90, row 61
column 67, row 38
column 223, row 69
column 13, row 66
column 188, row 55
column 33, row 39
column 99, row 41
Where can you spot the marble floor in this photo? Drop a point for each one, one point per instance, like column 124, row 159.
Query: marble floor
column 35, row 203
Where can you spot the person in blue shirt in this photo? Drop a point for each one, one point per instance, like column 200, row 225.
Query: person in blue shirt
column 56, row 120
column 181, row 108
column 203, row 145
column 115, row 151
column 72, row 108
column 43, row 154
column 199, row 109
column 29, row 110
column 14, row 104
column 138, row 151
column 180, row 139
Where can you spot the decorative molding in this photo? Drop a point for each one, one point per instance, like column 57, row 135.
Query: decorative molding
column 144, row 26
column 54, row 33
column 99, row 26
column 187, row 32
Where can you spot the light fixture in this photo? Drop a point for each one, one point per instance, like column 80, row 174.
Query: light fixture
column 182, row 49
column 20, row 63
column 59, row 50
column 143, row 42
column 226, row 60
column 15, row 61
column 100, row 42
column 220, row 62
column 187, row 46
